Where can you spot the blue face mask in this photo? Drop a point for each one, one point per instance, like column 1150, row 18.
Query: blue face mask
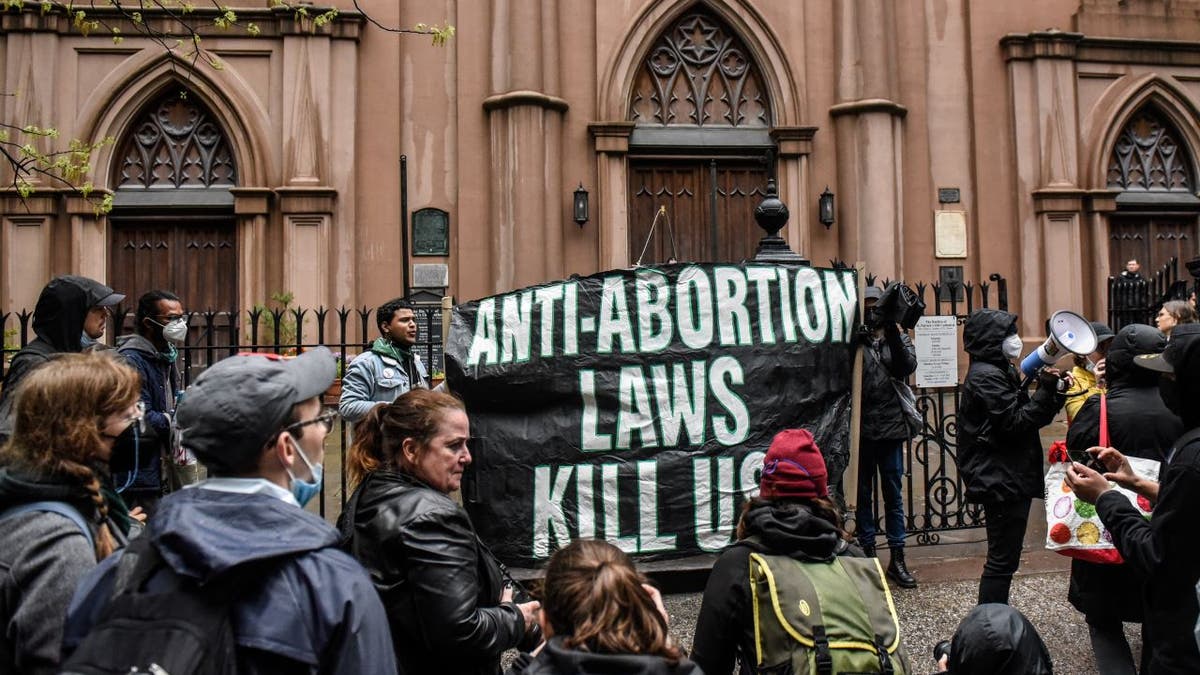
column 304, row 490
column 86, row 341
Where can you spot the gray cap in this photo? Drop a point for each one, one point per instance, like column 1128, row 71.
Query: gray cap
column 239, row 403
column 872, row 293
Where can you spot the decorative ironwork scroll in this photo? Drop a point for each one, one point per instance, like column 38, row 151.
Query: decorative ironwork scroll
column 1148, row 156
column 176, row 143
column 700, row 74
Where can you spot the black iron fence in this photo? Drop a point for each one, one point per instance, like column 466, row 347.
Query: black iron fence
column 1138, row 299
column 933, row 489
column 214, row 335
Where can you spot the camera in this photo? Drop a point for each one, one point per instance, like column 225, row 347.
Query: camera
column 898, row 304
column 941, row 649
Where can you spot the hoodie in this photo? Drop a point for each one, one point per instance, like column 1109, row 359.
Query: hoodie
column 58, row 323
column 44, row 555
column 1000, row 452
column 556, row 659
column 314, row 609
column 725, row 626
column 995, row 639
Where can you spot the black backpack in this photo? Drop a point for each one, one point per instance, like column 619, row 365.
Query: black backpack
column 185, row 629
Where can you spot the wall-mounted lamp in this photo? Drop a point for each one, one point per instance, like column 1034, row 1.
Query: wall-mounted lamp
column 825, row 208
column 581, row 205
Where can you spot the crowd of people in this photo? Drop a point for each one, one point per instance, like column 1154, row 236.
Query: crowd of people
column 235, row 574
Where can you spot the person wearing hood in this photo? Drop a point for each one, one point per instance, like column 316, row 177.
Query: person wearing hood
column 600, row 616
column 995, row 639
column 58, row 515
column 890, row 359
column 255, row 421
column 70, row 315
column 1163, row 549
column 1140, row 426
column 1000, row 451
column 389, row 368
column 160, row 327
column 1088, row 373
column 792, row 516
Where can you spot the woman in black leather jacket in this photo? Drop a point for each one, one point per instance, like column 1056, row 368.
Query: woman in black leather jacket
column 600, row 616
column 447, row 604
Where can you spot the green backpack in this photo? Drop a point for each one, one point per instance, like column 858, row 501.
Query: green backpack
column 824, row 618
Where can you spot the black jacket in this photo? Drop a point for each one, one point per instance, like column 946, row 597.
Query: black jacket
column 1000, row 452
column 995, row 639
column 555, row 659
column 1166, row 551
column 440, row 587
column 886, row 359
column 725, row 626
column 160, row 380
column 58, row 323
column 1139, row 425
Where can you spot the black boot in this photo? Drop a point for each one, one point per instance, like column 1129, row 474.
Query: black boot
column 868, row 549
column 898, row 572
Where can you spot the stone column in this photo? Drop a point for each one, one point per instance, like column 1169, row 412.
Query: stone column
column 529, row 203
column 25, row 227
column 869, row 126
column 795, row 188
column 1042, row 75
column 611, row 210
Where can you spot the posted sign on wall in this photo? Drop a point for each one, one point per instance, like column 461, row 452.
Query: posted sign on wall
column 936, row 341
column 636, row 405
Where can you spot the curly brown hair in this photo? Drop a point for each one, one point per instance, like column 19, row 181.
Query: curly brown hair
column 379, row 436
column 594, row 600
column 59, row 409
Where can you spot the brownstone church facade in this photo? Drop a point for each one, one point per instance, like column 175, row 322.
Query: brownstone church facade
column 1045, row 140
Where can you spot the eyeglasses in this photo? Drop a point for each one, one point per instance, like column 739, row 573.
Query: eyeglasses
column 326, row 418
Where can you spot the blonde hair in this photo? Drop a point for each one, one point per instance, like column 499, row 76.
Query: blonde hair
column 59, row 409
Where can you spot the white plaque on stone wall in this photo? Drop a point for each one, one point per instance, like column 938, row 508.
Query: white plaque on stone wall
column 936, row 341
column 950, row 234
column 431, row 275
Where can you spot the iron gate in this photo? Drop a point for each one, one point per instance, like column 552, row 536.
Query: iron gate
column 934, row 493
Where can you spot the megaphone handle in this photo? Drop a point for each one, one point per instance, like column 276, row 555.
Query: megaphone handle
column 1027, row 381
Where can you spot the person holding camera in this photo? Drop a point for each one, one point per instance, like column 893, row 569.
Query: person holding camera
column 886, row 425
column 1164, row 548
column 1140, row 425
column 1000, row 451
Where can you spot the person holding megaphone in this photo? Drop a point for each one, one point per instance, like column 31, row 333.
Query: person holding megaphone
column 1000, row 452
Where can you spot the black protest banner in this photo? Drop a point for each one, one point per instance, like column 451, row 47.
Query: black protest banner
column 636, row 405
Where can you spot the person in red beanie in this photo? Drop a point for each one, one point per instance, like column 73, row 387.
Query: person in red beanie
column 792, row 516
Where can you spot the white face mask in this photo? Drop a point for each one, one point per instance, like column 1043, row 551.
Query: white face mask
column 175, row 332
column 1012, row 346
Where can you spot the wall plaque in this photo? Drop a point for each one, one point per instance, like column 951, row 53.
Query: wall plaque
column 948, row 195
column 431, row 232
column 950, row 234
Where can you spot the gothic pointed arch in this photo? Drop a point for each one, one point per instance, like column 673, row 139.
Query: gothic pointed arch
column 129, row 88
column 699, row 73
column 1148, row 156
column 739, row 19
column 175, row 142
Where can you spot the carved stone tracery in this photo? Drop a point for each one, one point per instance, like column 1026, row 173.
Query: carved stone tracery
column 1148, row 157
column 699, row 74
column 176, row 144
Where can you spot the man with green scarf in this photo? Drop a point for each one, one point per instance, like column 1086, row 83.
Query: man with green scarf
column 389, row 368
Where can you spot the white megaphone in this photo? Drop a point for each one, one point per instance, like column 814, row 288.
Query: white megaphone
column 1069, row 332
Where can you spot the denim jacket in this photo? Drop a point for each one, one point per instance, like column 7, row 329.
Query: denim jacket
column 372, row 378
